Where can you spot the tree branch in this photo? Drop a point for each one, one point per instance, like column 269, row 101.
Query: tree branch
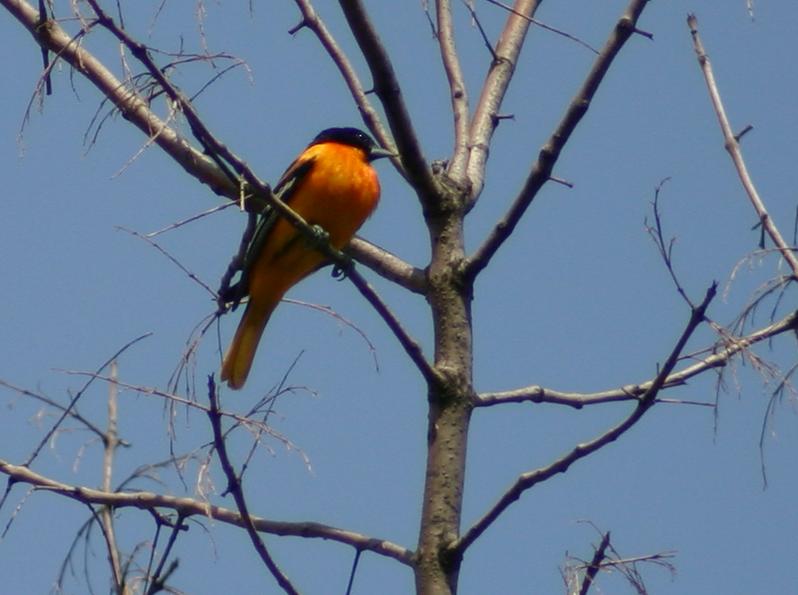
column 531, row 478
column 731, row 347
column 497, row 81
column 234, row 487
column 388, row 265
column 188, row 507
column 595, row 564
column 412, row 348
column 106, row 516
column 387, row 88
column 51, row 36
column 312, row 21
column 550, row 153
column 732, row 145
column 457, row 91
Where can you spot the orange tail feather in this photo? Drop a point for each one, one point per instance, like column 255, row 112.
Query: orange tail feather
column 239, row 356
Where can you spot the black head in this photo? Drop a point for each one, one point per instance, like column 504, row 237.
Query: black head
column 353, row 137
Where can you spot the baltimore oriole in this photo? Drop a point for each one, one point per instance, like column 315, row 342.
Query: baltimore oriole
column 332, row 185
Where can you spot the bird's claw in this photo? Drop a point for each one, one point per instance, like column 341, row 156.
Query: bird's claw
column 341, row 271
column 320, row 235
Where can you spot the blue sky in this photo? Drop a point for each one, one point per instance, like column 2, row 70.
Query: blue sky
column 577, row 300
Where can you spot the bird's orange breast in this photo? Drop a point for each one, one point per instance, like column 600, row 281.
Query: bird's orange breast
column 338, row 193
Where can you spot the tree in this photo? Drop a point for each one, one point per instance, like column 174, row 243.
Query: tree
column 680, row 333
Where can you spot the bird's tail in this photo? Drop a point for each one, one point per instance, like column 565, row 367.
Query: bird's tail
column 239, row 356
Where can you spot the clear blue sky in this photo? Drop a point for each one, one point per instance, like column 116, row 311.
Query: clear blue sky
column 577, row 300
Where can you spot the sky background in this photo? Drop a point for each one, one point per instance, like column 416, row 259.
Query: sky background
column 577, row 300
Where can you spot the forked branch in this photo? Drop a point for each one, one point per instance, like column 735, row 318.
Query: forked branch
column 531, row 478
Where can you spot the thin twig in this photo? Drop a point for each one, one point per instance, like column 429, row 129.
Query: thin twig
column 73, row 413
column 134, row 108
column 78, row 395
column 172, row 259
column 191, row 219
column 542, row 25
column 244, row 420
column 475, row 18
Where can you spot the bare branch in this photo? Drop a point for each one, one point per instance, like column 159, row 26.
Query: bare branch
column 172, row 259
column 550, row 153
column 595, row 564
column 156, row 581
column 72, row 412
column 732, row 346
column 188, row 507
column 105, row 516
column 607, row 559
column 475, row 19
column 312, row 21
column 68, row 409
column 732, row 145
column 457, row 90
column 531, row 478
column 234, row 487
column 411, row 347
column 51, row 36
column 542, row 25
column 388, row 265
column 387, row 88
column 497, row 81
column 244, row 420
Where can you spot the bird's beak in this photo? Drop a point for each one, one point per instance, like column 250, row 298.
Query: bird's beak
column 379, row 153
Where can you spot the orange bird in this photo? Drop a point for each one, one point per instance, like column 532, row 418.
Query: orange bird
column 332, row 185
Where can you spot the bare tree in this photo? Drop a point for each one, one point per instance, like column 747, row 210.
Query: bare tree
column 145, row 92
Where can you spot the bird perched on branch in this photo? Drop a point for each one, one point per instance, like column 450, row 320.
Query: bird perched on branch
column 331, row 185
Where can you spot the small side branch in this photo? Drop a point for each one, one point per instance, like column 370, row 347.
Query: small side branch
column 732, row 145
column 542, row 169
column 531, row 478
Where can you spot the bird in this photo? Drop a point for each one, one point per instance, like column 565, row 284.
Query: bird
column 331, row 185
